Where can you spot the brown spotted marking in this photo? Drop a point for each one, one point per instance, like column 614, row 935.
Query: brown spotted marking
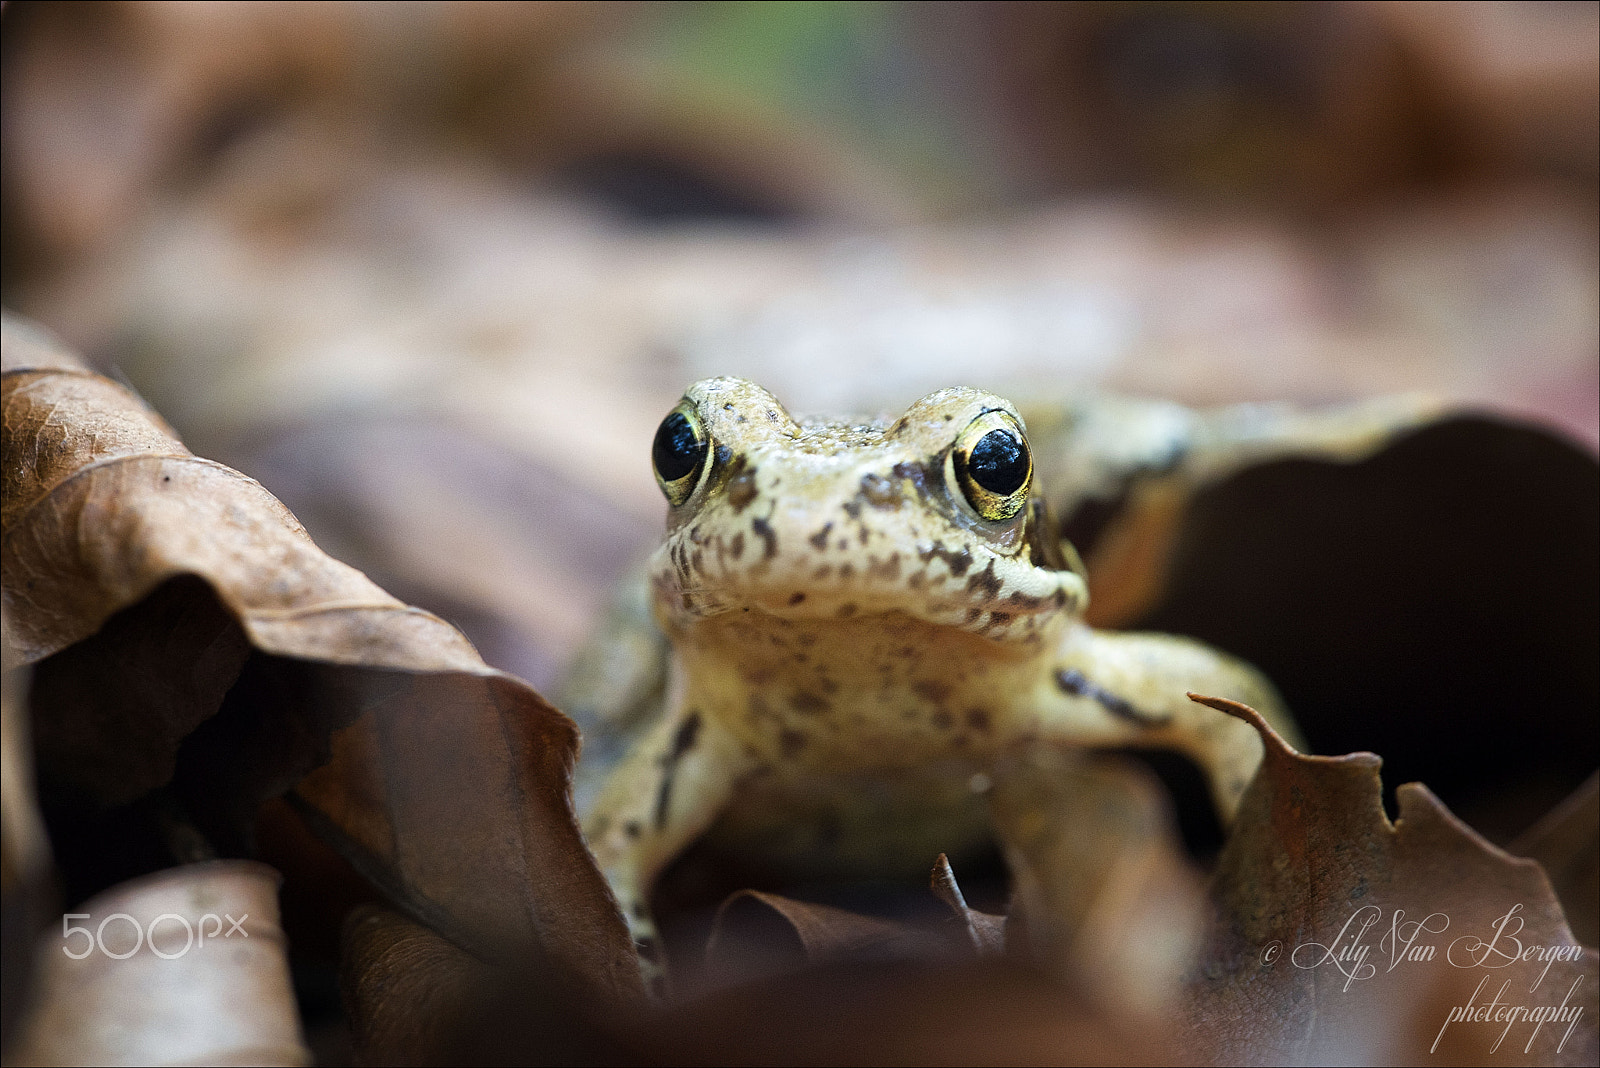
column 913, row 473
column 682, row 742
column 986, row 581
column 957, row 562
column 742, row 486
column 763, row 530
column 884, row 569
column 820, row 538
column 808, row 704
column 880, row 492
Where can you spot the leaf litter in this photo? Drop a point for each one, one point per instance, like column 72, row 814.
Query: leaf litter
column 194, row 654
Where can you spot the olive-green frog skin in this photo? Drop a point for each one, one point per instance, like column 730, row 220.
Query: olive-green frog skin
column 879, row 603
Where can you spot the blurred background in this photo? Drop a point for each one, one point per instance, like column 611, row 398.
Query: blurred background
column 433, row 272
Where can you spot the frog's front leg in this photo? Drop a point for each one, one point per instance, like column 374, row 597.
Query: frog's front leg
column 1130, row 689
column 662, row 796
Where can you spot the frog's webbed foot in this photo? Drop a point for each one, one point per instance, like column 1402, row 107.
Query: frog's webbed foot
column 658, row 800
column 1111, row 689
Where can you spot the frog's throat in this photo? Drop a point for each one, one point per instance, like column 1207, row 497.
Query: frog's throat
column 863, row 693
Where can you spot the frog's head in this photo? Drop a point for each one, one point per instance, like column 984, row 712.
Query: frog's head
column 932, row 515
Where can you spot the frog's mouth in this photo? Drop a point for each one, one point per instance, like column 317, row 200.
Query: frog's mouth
column 998, row 597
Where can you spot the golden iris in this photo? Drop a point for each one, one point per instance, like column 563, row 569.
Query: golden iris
column 679, row 453
column 992, row 465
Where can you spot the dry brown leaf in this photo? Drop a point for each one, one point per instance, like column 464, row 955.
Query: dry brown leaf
column 154, row 590
column 985, row 932
column 1119, row 472
column 1401, row 599
column 404, row 986
column 416, row 998
column 185, row 967
column 506, row 543
column 1295, row 973
column 904, row 1012
column 757, row 933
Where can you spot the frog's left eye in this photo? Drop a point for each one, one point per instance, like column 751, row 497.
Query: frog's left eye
column 679, row 452
column 992, row 465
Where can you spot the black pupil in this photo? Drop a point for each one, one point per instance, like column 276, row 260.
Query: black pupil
column 676, row 451
column 999, row 463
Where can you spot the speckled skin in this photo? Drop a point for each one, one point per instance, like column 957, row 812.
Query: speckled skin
column 839, row 613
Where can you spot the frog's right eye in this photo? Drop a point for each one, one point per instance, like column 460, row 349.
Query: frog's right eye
column 679, row 453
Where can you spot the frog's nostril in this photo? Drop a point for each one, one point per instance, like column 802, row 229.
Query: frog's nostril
column 879, row 491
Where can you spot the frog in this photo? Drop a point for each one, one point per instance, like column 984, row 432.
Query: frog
column 859, row 618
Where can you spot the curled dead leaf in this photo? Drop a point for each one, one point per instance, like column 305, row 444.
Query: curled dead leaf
column 1121, row 472
column 1342, row 937
column 404, row 986
column 1402, row 598
column 185, row 967
column 414, row 997
column 760, row 934
column 190, row 639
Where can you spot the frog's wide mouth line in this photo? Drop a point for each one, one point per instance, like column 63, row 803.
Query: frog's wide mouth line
column 996, row 602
